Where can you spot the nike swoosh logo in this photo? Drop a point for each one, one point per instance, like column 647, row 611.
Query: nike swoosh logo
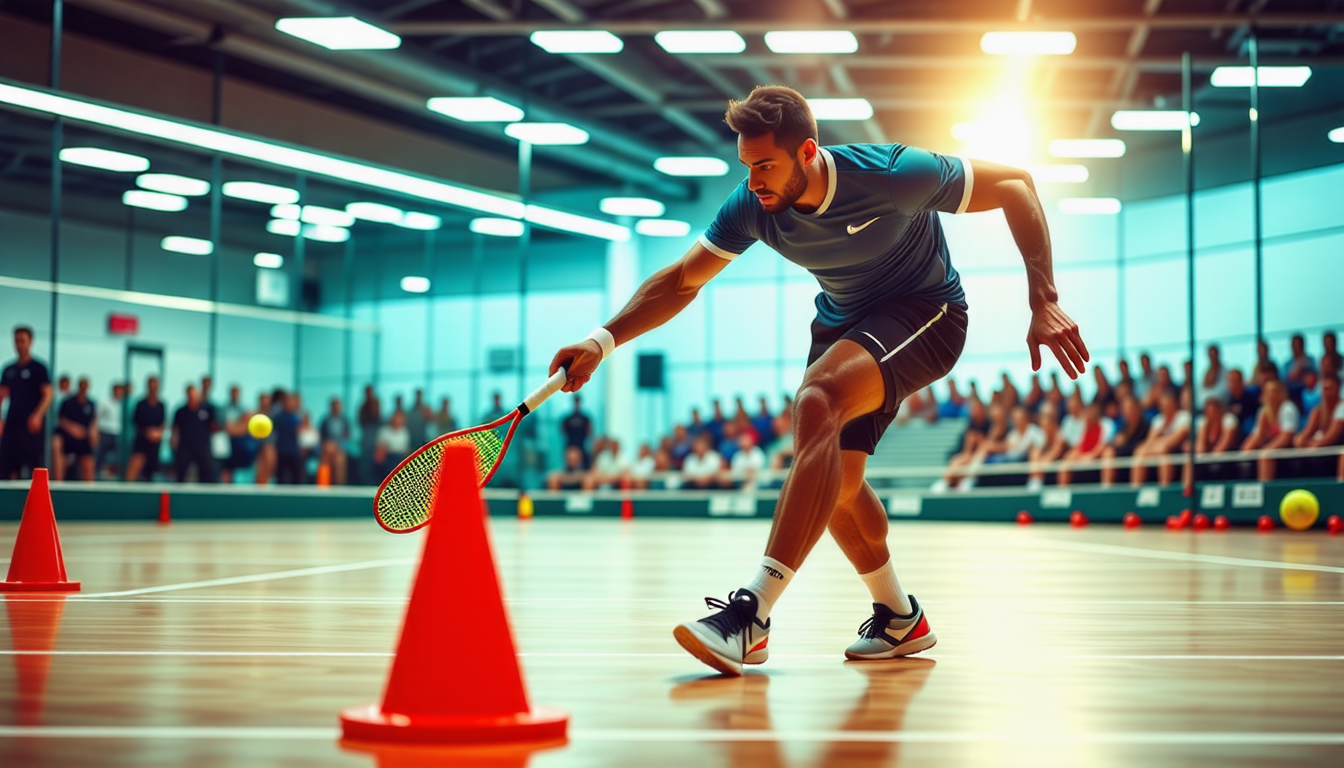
column 853, row 230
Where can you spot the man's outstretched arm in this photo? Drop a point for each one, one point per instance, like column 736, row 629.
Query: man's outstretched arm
column 658, row 300
column 1012, row 190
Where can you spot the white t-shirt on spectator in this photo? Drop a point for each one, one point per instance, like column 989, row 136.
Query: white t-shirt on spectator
column 397, row 441
column 1338, row 414
column 1230, row 423
column 109, row 416
column 643, row 468
column 1289, row 417
column 1072, row 429
column 699, row 467
column 753, row 458
column 608, row 463
column 1159, row 426
column 1021, row 443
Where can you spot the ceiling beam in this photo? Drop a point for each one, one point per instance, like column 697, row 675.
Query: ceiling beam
column 897, row 61
column 1126, row 78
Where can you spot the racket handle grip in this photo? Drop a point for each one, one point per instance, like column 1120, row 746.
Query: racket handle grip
column 542, row 393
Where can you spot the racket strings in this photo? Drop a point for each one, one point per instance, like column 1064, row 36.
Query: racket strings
column 407, row 500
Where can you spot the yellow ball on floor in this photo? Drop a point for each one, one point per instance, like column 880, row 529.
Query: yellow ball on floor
column 259, row 426
column 1299, row 509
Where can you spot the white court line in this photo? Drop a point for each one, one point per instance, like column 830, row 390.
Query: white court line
column 717, row 736
column 272, row 576
column 1196, row 557
column 564, row 601
column 665, row 655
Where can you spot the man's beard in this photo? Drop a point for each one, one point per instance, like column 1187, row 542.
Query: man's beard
column 793, row 190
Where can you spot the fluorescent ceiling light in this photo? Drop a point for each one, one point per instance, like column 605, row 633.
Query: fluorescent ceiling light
column 1152, row 120
column 1058, row 174
column 377, row 212
column 691, row 166
column 268, row 260
column 1087, row 148
column 280, row 155
column 415, row 284
column 258, row 192
column 841, row 109
column 417, row 220
column 549, row 217
column 706, row 41
column 1337, row 135
column 662, row 228
column 547, row 133
column 1028, row 43
column 193, row 246
column 818, row 41
column 286, row 211
column 1267, row 77
column 577, row 41
column 1089, row 205
column 475, row 109
column 331, row 217
column 172, row 184
column 286, row 227
column 325, row 233
column 631, row 206
column 339, row 33
column 105, row 159
column 154, row 201
column 497, row 227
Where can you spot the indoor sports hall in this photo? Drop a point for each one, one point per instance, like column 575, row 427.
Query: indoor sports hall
column 665, row 383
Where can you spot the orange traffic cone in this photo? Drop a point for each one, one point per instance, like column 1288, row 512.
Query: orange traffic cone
column 324, row 475
column 37, row 564
column 452, row 683
column 33, row 622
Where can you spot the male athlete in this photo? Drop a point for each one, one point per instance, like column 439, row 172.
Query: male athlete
column 891, row 319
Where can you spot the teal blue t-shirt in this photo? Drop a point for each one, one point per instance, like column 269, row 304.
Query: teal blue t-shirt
column 876, row 236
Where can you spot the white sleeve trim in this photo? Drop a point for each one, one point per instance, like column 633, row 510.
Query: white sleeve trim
column 716, row 250
column 970, row 181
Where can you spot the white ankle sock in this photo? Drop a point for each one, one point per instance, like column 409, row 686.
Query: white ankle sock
column 771, row 578
column 886, row 589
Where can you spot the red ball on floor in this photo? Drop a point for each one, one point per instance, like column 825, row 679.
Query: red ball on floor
column 1024, row 518
column 1334, row 524
column 1174, row 523
column 1200, row 522
column 1132, row 520
column 1077, row 519
column 1221, row 523
column 1265, row 524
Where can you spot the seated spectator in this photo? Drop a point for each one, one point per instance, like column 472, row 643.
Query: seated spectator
column 1162, row 384
column 973, row 450
column 1095, row 437
column 1055, row 394
column 702, row 467
column 310, row 442
column 1124, row 377
column 1214, row 381
column 681, row 445
column 976, row 428
column 609, row 469
column 1014, row 447
column 781, row 451
column 643, row 468
column 336, row 434
column 727, row 445
column 1242, row 401
column 1124, row 390
column 444, row 422
column 1298, row 365
column 1052, row 449
column 1132, row 433
column 1275, row 427
column 1007, row 395
column 1265, row 369
column 285, row 423
column 191, row 439
column 954, row 407
column 1105, row 396
column 393, row 444
column 697, row 424
column 76, row 434
column 1035, row 397
column 571, row 477
column 716, row 423
column 1167, row 433
column 745, row 469
column 1216, row 431
column 1325, row 428
column 1331, row 360
column 1143, row 385
column 1072, row 423
column 1309, row 395
column 764, row 424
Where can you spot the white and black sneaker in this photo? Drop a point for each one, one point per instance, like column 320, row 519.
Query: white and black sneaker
column 887, row 634
column 729, row 638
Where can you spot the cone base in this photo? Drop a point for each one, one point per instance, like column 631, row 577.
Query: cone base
column 370, row 724
column 39, row 586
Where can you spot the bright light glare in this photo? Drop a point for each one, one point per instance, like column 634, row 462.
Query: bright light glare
column 496, row 227
column 105, row 159
column 258, row 192
column 549, row 217
column 377, row 212
column 547, row 133
column 662, row 228
column 1152, row 120
column 268, row 260
column 577, row 41
column 415, row 284
column 331, row 217
column 1058, row 174
column 172, row 184
column 830, row 41
column 325, row 233
column 1087, row 148
column 1089, row 205
column 286, row 227
column 631, row 206
column 339, row 33
column 1337, row 135
column 192, row 246
column 706, row 41
column 1268, row 77
column 417, row 220
column 1028, row 43
column 691, row 166
column 475, row 109
column 154, row 201
column 286, row 211
column 841, row 109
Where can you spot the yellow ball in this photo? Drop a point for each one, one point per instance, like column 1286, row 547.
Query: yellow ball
column 259, row 426
column 1299, row 509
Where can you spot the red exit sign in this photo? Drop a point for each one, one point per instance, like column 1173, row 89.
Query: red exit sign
column 123, row 325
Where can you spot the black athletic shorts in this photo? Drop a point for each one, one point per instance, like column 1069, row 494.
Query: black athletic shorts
column 20, row 449
column 915, row 342
column 73, row 447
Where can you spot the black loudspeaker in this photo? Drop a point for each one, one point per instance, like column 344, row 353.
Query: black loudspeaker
column 312, row 294
column 651, row 371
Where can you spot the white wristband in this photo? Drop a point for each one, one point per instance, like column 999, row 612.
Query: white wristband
column 604, row 340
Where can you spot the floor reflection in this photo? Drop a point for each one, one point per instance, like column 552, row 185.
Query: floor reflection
column 34, row 621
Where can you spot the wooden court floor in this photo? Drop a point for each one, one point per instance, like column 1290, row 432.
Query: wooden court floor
column 236, row 644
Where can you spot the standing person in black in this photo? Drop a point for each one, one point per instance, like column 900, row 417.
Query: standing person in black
column 370, row 421
column 191, row 438
column 27, row 386
column 289, row 459
column 76, row 434
column 148, row 421
column 577, row 428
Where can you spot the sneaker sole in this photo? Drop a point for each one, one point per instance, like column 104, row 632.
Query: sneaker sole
column 905, row 649
column 693, row 645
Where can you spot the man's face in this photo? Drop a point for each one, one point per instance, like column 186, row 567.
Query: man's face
column 1235, row 382
column 1330, row 389
column 23, row 342
column 83, row 387
column 336, row 406
column 193, row 397
column 234, row 395
column 774, row 174
column 152, row 386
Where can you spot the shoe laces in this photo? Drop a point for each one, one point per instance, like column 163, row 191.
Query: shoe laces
column 878, row 623
column 733, row 615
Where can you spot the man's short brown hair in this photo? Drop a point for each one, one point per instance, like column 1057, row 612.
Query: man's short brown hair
column 774, row 109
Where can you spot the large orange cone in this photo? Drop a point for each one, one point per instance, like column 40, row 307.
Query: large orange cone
column 37, row 564
column 455, row 677
column 33, row 623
